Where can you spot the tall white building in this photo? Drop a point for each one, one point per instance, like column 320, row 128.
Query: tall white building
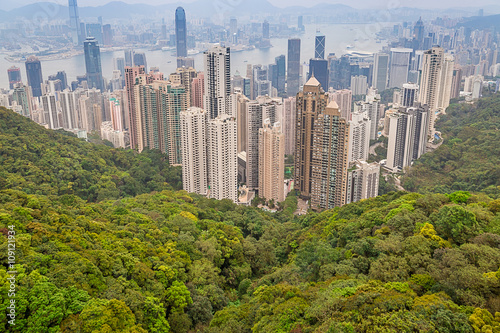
column 222, row 158
column 436, row 83
column 400, row 62
column 193, row 123
column 50, row 111
column 271, row 162
column 359, row 85
column 359, row 137
column 288, row 124
column 380, row 71
column 371, row 107
column 362, row 181
column 217, row 99
column 409, row 94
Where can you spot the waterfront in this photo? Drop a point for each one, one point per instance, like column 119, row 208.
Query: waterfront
column 338, row 37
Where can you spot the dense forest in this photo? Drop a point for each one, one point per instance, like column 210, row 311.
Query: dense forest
column 105, row 243
column 469, row 158
column 40, row 161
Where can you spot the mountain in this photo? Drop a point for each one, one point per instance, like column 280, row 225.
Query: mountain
column 469, row 158
column 482, row 22
column 36, row 160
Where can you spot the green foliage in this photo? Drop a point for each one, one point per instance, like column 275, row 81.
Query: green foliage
column 469, row 158
column 40, row 161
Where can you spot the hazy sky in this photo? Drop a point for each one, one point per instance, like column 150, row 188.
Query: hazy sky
column 8, row 4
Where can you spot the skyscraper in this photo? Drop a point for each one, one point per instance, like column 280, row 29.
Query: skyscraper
column 400, row 62
column 93, row 63
column 129, row 57
column 280, row 62
column 193, row 123
column 293, row 72
column 107, row 34
column 222, row 158
column 289, row 124
column 319, row 47
column 140, row 60
column 300, row 23
column 131, row 73
column 344, row 101
column 181, row 32
column 217, row 81
column 362, row 181
column 74, row 22
column 409, row 94
column 436, row 83
column 359, row 85
column 197, row 90
column 380, row 71
column 21, row 96
column 418, row 34
column 310, row 102
column 329, row 159
column 319, row 68
column 95, row 30
column 271, row 162
column 34, row 74
column 359, row 137
column 14, row 74
column 265, row 30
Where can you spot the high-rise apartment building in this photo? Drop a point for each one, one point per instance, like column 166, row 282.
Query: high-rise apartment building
column 359, row 137
column 181, row 32
column 329, row 159
column 409, row 94
column 407, row 136
column 293, row 71
column 400, row 62
column 193, row 123
column 185, row 77
column 380, row 71
column 271, row 162
column 359, row 85
column 50, row 111
column 197, row 90
column 217, row 81
column 222, row 158
column 344, row 101
column 310, row 102
column 21, row 95
column 240, row 101
column 362, row 181
column 131, row 73
column 288, row 122
column 34, row 74
column 371, row 106
column 93, row 63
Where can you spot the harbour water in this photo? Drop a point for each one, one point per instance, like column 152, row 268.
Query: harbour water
column 362, row 37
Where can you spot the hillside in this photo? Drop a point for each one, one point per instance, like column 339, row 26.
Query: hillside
column 469, row 159
column 36, row 160
column 173, row 262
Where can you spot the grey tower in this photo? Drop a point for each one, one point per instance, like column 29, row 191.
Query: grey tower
column 293, row 67
column 74, row 22
column 93, row 63
column 181, row 32
column 319, row 48
column 34, row 74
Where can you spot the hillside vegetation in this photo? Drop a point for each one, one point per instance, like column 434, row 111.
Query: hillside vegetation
column 469, row 158
column 40, row 161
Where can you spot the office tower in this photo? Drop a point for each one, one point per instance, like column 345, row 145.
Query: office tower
column 119, row 65
column 359, row 137
column 217, row 81
column 74, row 22
column 416, row 63
column 271, row 162
column 407, row 136
column 418, row 34
column 222, row 158
column 21, row 95
column 319, row 69
column 340, row 72
column 14, row 74
column 456, row 82
column 257, row 111
column 329, row 159
column 161, row 103
column 293, row 72
column 310, row 102
column 180, row 32
column 233, row 26
column 359, row 85
column 240, row 101
column 300, row 23
column 34, row 74
column 58, row 82
column 362, row 181
column 265, row 30
column 436, row 83
column 140, row 60
column 107, row 34
column 129, row 57
column 344, row 101
column 280, row 66
column 197, row 90
column 50, row 111
column 319, row 47
column 288, row 122
column 131, row 73
column 93, row 63
column 193, row 122
column 95, row 30
column 400, row 62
